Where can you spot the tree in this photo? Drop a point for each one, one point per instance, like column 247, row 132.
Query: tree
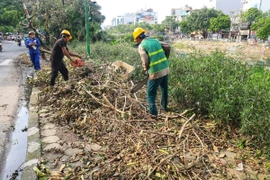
column 55, row 15
column 251, row 15
column 129, row 28
column 158, row 28
column 10, row 13
column 266, row 14
column 219, row 23
column 170, row 23
column 10, row 17
column 199, row 20
column 262, row 28
column 185, row 27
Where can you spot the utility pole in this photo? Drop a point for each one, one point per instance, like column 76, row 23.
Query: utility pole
column 39, row 14
column 260, row 5
column 87, row 27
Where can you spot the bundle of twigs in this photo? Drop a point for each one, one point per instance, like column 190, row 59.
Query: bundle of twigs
column 96, row 103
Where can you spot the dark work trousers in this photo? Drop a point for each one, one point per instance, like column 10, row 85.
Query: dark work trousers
column 58, row 66
column 35, row 60
column 152, row 87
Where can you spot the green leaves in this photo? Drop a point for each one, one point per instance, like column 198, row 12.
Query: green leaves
column 226, row 89
column 219, row 23
column 199, row 20
column 251, row 14
column 262, row 27
column 10, row 13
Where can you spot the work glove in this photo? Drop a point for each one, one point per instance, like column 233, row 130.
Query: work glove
column 145, row 72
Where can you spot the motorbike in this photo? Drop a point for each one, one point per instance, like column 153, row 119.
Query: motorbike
column 1, row 46
column 19, row 42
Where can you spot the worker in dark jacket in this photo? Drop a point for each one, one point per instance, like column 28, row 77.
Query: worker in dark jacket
column 33, row 44
column 156, row 64
column 59, row 50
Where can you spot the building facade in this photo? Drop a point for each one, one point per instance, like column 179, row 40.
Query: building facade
column 129, row 18
column 181, row 13
column 247, row 4
column 265, row 5
column 147, row 16
column 226, row 6
column 118, row 20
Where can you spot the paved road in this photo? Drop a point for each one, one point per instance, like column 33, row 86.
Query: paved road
column 10, row 91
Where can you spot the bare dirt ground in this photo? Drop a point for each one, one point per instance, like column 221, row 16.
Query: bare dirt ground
column 238, row 50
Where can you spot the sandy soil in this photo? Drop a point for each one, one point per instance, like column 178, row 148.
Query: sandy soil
column 238, row 50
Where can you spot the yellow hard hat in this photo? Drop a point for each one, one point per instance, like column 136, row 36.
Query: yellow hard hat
column 138, row 31
column 66, row 32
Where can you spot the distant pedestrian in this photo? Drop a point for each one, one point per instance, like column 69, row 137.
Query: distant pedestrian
column 59, row 50
column 33, row 45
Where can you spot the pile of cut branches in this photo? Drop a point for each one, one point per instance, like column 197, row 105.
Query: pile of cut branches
column 97, row 105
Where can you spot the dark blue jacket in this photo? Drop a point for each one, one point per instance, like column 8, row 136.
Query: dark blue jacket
column 31, row 49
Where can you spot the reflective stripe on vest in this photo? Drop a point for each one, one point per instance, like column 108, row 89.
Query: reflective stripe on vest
column 157, row 62
column 156, row 52
column 157, row 58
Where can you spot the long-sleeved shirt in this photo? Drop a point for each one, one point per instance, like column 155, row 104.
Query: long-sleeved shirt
column 30, row 47
column 146, row 61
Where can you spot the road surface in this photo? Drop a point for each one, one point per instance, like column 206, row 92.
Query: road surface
column 10, row 92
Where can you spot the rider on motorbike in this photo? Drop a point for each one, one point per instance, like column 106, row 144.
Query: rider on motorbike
column 19, row 41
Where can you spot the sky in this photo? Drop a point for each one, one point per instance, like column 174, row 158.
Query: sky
column 113, row 8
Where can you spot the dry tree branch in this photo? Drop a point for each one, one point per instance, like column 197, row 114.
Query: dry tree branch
column 184, row 125
column 110, row 105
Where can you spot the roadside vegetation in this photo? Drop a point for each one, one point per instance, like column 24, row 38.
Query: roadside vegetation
column 229, row 91
column 229, row 96
column 215, row 86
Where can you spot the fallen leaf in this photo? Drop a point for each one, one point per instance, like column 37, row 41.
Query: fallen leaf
column 231, row 149
column 239, row 167
column 222, row 155
column 163, row 151
column 215, row 148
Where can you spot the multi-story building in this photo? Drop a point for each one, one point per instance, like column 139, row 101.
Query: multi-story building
column 251, row 4
column 148, row 16
column 129, row 18
column 265, row 5
column 226, row 6
column 180, row 13
column 118, row 20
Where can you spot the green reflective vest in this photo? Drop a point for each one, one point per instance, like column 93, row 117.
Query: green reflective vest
column 158, row 60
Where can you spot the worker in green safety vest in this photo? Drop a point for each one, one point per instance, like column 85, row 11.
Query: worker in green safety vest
column 156, row 64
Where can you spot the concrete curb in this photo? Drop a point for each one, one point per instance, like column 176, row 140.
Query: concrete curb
column 33, row 148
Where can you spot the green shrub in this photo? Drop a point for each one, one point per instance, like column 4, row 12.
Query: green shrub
column 224, row 89
column 211, row 84
column 256, row 105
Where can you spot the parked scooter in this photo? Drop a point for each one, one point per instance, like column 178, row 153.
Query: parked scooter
column 19, row 42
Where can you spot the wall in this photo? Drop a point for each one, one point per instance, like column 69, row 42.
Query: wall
column 227, row 6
